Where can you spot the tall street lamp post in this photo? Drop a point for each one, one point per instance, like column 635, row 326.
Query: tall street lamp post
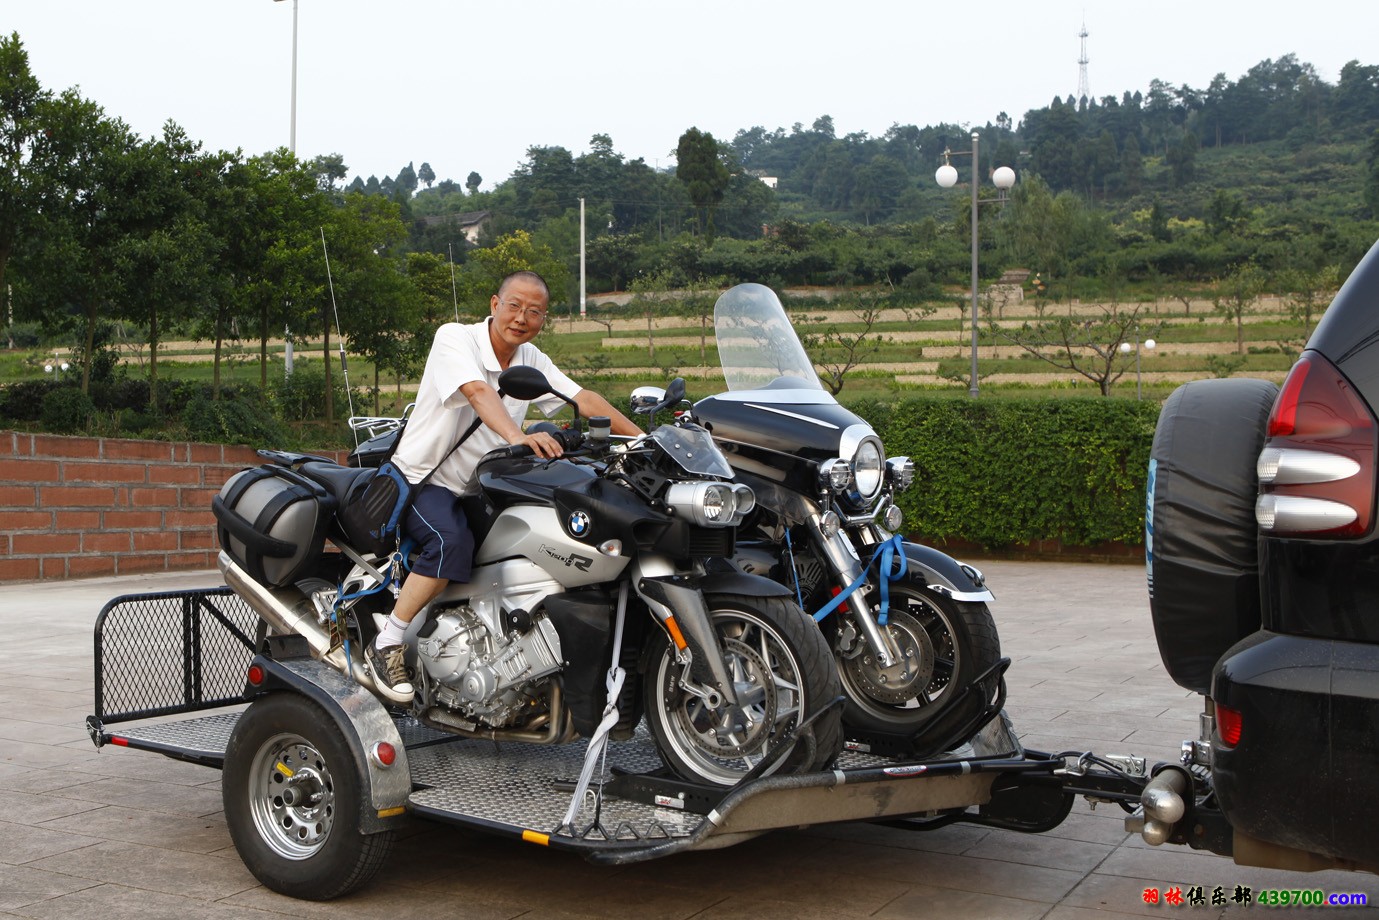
column 1125, row 350
column 947, row 177
column 292, row 142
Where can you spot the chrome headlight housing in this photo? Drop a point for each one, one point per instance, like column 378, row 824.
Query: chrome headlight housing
column 711, row 504
column 867, row 465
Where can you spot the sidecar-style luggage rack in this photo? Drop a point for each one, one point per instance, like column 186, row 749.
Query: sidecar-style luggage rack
column 182, row 653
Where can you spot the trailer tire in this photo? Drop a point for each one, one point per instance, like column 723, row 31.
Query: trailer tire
column 293, row 791
column 1200, row 532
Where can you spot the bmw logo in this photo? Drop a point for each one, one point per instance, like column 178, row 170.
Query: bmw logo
column 578, row 524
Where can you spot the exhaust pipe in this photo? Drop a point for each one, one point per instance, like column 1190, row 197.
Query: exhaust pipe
column 290, row 619
column 1161, row 806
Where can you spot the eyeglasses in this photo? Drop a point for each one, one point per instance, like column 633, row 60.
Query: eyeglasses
column 533, row 315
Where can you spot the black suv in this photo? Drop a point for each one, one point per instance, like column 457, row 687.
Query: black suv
column 1263, row 563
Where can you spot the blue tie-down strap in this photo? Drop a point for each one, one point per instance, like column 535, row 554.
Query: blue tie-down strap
column 888, row 552
column 399, row 561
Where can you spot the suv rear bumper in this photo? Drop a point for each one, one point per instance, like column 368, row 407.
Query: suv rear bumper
column 1308, row 746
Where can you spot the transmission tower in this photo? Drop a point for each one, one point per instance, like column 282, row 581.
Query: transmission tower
column 1083, row 90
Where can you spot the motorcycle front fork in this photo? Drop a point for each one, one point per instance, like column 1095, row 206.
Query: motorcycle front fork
column 841, row 557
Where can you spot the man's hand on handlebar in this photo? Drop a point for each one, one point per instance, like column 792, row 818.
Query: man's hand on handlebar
column 551, row 444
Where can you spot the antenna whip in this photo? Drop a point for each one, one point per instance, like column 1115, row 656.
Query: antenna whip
column 339, row 336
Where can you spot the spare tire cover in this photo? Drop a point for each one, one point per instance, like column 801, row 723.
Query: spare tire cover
column 1200, row 540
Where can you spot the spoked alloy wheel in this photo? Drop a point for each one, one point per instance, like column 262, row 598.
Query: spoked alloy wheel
column 944, row 644
column 293, row 794
column 782, row 673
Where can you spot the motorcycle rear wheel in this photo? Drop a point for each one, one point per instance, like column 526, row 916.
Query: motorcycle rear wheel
column 945, row 644
column 782, row 672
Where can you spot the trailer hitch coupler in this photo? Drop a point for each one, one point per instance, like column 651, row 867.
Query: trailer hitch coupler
column 1162, row 805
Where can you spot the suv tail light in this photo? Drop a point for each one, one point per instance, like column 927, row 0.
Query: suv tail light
column 1317, row 468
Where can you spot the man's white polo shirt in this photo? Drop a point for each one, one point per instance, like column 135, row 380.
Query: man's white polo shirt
column 462, row 354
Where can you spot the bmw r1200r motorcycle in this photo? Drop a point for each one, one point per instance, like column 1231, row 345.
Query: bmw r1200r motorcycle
column 914, row 641
column 590, row 565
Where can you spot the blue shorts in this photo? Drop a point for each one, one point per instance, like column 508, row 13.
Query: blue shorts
column 445, row 544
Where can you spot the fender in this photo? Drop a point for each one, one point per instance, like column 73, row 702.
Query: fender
column 741, row 583
column 942, row 573
column 671, row 595
column 364, row 722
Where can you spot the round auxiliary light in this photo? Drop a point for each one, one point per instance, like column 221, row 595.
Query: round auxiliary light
column 830, row 523
column 901, row 471
column 835, row 474
column 893, row 518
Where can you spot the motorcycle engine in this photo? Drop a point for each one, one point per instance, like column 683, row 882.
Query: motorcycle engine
column 482, row 670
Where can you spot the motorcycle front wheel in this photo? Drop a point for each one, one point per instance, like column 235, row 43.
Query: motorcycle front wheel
column 782, row 673
column 944, row 644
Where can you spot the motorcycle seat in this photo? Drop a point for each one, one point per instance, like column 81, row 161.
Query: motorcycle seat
column 337, row 479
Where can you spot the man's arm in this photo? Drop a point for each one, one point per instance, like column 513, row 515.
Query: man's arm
column 491, row 411
column 591, row 404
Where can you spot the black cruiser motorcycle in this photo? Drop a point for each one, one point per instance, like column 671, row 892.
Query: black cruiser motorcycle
column 608, row 560
column 915, row 644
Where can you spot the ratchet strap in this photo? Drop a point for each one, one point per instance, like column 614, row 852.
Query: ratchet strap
column 887, row 553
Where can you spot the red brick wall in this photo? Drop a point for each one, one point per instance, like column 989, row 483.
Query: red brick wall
column 73, row 507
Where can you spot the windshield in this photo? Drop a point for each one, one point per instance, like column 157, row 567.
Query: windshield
column 693, row 449
column 757, row 345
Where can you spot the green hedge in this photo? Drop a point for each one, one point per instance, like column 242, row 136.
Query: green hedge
column 1006, row 472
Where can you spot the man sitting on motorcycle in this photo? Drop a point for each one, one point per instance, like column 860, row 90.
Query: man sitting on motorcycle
column 459, row 383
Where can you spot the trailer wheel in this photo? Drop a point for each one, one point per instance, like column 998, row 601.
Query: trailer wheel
column 292, row 794
column 1200, row 531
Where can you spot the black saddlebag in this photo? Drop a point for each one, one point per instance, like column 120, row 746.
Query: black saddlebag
column 272, row 521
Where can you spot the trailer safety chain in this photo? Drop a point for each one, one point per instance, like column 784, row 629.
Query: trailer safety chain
column 888, row 552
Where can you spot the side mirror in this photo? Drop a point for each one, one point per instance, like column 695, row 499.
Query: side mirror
column 644, row 399
column 523, row 382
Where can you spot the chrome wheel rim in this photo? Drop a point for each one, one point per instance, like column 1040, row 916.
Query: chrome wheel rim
column 292, row 796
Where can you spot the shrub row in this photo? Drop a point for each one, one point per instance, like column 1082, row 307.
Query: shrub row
column 1009, row 472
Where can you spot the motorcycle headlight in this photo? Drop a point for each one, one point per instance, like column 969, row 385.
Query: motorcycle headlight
column 901, row 472
column 710, row 504
column 835, row 474
column 866, row 469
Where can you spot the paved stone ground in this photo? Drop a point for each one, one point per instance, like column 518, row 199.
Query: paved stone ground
column 120, row 833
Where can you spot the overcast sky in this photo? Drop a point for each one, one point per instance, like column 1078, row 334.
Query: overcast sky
column 470, row 85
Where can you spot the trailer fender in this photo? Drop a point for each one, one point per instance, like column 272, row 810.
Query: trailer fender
column 363, row 720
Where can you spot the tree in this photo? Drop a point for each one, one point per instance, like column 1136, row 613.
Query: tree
column 1088, row 346
column 700, row 168
column 426, row 174
column 95, row 201
column 472, row 183
column 167, row 266
column 839, row 351
column 370, row 300
column 1235, row 295
column 23, row 152
column 516, row 251
column 1309, row 291
column 1372, row 175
